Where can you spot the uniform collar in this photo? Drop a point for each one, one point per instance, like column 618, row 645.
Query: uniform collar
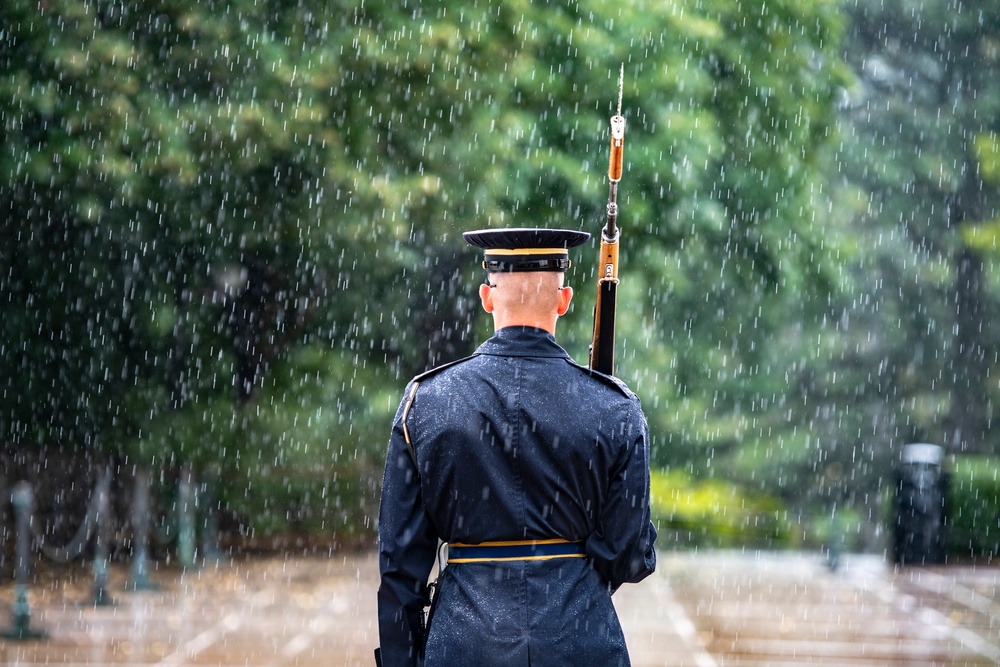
column 522, row 342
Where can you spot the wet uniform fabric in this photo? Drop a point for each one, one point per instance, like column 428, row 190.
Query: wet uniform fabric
column 517, row 442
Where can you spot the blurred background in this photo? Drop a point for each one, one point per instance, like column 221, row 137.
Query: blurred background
column 230, row 232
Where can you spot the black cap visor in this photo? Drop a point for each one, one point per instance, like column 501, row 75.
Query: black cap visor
column 504, row 263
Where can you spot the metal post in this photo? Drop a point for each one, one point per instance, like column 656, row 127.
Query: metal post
column 835, row 542
column 139, row 579
column 23, row 500
column 210, row 527
column 101, row 597
column 186, row 517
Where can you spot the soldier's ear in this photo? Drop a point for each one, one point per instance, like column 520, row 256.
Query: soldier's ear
column 486, row 296
column 565, row 297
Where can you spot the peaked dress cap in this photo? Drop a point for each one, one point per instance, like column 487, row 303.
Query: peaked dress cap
column 525, row 249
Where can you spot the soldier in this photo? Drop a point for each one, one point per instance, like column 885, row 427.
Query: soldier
column 535, row 472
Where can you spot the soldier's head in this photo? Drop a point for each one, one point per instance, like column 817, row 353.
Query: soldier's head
column 525, row 271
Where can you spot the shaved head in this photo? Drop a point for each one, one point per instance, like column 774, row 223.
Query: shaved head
column 533, row 298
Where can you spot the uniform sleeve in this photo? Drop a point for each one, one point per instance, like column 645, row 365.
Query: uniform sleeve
column 407, row 545
column 621, row 549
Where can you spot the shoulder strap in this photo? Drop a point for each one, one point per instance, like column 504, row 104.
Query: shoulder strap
column 609, row 380
column 413, row 394
column 438, row 369
column 406, row 413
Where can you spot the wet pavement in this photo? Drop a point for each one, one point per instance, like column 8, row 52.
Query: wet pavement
column 708, row 609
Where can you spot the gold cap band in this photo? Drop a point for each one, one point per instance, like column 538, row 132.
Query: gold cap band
column 527, row 251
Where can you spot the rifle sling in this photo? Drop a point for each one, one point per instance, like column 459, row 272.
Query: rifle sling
column 605, row 353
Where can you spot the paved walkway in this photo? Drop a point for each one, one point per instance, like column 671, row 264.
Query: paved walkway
column 785, row 610
column 711, row 609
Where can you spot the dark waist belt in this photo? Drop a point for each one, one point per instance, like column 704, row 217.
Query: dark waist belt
column 518, row 550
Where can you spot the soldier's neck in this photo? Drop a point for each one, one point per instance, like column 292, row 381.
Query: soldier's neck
column 545, row 323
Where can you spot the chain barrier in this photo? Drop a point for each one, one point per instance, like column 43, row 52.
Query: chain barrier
column 96, row 526
column 74, row 549
column 162, row 533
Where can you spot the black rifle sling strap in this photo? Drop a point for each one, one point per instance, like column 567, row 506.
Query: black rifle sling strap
column 604, row 353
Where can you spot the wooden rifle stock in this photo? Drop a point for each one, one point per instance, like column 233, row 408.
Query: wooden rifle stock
column 602, row 347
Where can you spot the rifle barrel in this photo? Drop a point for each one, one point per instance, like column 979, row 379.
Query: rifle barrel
column 603, row 344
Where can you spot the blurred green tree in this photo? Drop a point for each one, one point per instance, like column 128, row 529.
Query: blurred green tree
column 925, row 100
column 233, row 227
column 902, row 350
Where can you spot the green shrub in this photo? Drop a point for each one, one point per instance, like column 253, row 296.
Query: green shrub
column 715, row 513
column 327, row 506
column 974, row 508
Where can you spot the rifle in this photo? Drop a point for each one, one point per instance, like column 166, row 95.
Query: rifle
column 602, row 348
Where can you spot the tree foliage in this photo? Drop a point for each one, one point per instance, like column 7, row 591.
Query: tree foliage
column 902, row 351
column 232, row 229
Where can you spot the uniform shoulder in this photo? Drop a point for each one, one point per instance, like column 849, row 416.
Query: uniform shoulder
column 426, row 375
column 608, row 380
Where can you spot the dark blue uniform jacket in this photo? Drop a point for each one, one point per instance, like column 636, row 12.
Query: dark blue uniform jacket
column 517, row 442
